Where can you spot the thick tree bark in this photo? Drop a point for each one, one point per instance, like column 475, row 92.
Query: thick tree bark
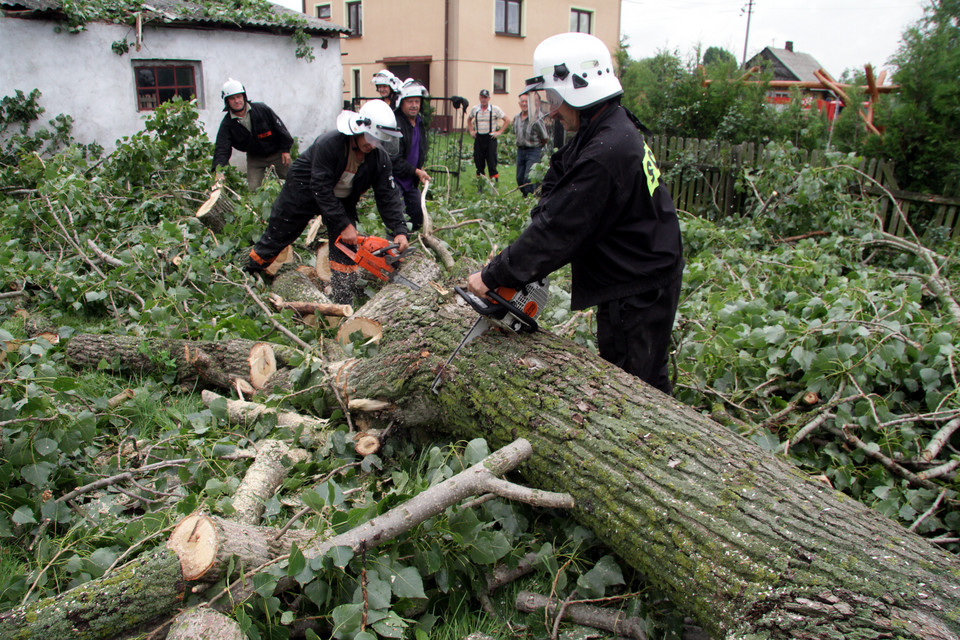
column 204, row 624
column 123, row 600
column 207, row 363
column 741, row 540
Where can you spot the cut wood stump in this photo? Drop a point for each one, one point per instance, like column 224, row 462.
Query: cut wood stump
column 213, row 213
column 369, row 329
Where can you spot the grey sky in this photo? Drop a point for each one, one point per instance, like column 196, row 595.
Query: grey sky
column 840, row 34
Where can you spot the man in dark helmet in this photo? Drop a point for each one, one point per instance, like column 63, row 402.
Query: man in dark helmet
column 252, row 127
column 604, row 210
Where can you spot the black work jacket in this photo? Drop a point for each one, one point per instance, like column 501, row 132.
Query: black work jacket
column 308, row 189
column 402, row 168
column 601, row 211
column 268, row 136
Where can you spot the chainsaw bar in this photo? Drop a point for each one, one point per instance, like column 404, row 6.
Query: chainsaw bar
column 511, row 310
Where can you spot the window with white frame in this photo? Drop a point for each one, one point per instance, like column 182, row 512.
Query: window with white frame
column 499, row 80
column 508, row 17
column 581, row 20
column 355, row 19
column 159, row 81
column 323, row 11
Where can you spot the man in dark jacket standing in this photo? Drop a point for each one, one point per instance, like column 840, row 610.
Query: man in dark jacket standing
column 252, row 127
column 408, row 163
column 328, row 180
column 603, row 209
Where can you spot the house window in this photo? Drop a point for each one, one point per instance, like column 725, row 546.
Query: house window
column 508, row 17
column 499, row 80
column 160, row 80
column 581, row 21
column 323, row 11
column 354, row 19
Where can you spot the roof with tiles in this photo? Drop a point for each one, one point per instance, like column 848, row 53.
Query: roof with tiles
column 184, row 13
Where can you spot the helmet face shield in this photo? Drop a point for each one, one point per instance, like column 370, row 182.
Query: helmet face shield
column 389, row 144
column 554, row 99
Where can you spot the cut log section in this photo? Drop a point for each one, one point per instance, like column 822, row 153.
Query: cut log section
column 313, row 230
column 371, row 330
column 230, row 364
column 366, row 444
column 213, row 213
column 205, row 544
column 263, row 364
column 323, row 261
column 285, row 257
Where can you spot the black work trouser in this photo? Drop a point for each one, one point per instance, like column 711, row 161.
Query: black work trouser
column 485, row 154
column 634, row 333
column 411, row 203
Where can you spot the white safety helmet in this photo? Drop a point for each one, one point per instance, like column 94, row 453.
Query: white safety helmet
column 376, row 122
column 412, row 89
column 575, row 68
column 386, row 77
column 231, row 88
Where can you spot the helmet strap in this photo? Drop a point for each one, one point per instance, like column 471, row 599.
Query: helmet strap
column 589, row 113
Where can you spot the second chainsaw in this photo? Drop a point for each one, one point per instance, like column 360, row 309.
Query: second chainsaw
column 379, row 257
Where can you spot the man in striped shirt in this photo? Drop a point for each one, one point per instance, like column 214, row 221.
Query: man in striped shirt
column 485, row 124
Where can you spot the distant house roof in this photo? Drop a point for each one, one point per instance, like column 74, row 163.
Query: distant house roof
column 788, row 64
column 186, row 13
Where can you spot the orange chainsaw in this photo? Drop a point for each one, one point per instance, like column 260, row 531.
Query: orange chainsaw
column 511, row 310
column 379, row 256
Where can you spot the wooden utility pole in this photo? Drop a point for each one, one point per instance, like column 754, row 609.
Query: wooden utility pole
column 746, row 38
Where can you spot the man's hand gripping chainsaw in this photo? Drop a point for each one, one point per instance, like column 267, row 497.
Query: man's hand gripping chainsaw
column 378, row 256
column 508, row 309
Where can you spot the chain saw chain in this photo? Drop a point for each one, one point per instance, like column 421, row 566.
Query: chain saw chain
column 511, row 310
column 378, row 256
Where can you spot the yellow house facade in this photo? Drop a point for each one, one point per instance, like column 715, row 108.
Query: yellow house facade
column 456, row 47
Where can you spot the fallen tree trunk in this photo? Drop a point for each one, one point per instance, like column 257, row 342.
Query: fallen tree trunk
column 193, row 362
column 138, row 593
column 741, row 540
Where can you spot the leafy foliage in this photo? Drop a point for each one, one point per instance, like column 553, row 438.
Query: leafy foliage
column 79, row 13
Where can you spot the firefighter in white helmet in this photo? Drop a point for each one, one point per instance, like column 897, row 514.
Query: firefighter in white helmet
column 388, row 86
column 254, row 128
column 327, row 180
column 408, row 162
column 603, row 209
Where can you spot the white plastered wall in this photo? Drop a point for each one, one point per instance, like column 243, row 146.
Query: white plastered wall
column 79, row 75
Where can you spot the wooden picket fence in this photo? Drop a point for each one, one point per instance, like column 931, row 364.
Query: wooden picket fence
column 702, row 176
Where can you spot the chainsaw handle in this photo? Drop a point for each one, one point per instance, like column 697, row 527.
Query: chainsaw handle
column 343, row 247
column 529, row 324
